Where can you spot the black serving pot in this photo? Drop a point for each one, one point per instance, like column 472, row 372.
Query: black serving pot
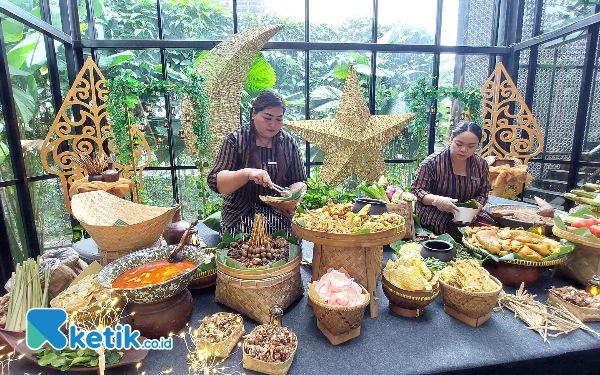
column 377, row 205
column 442, row 250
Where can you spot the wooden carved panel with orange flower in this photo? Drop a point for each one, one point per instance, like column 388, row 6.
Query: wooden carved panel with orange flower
column 82, row 127
column 509, row 127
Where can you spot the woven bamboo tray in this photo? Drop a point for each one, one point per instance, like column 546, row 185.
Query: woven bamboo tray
column 585, row 314
column 276, row 368
column 520, row 262
column 254, row 298
column 223, row 348
column 580, row 241
column 204, row 279
column 256, row 274
column 470, row 304
column 98, row 211
column 349, row 240
column 337, row 319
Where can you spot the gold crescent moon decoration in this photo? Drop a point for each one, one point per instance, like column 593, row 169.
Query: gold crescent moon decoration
column 225, row 67
column 353, row 141
column 66, row 137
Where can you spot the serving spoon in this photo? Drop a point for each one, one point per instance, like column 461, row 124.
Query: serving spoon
column 175, row 257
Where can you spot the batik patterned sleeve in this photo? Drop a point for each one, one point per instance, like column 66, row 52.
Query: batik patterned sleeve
column 421, row 186
column 225, row 161
column 296, row 171
column 486, row 186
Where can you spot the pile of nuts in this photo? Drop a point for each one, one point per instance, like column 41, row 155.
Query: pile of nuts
column 258, row 256
column 217, row 327
column 270, row 343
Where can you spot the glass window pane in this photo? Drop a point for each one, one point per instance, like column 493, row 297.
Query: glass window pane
column 271, row 12
column 402, row 22
column 158, row 187
column 52, row 220
column 6, row 171
column 559, row 13
column 126, row 19
column 467, row 22
column 395, row 74
column 401, row 173
column 33, row 7
column 14, row 223
column 202, row 20
column 549, row 183
column 340, row 21
column 31, row 93
column 190, row 196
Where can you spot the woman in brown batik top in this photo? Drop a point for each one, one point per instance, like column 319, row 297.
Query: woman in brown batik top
column 455, row 174
column 250, row 160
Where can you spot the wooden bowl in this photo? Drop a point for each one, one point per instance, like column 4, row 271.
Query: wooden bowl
column 406, row 303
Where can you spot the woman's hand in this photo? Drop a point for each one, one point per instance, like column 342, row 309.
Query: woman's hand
column 260, row 177
column 445, row 204
column 288, row 208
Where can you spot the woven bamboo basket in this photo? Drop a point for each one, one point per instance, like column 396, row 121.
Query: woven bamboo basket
column 408, row 303
column 585, row 314
column 405, row 209
column 254, row 298
column 223, row 348
column 337, row 319
column 512, row 187
column 580, row 241
column 98, row 211
column 259, row 274
column 204, row 279
column 471, row 304
column 271, row 368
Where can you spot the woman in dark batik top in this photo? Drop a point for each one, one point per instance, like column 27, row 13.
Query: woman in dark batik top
column 456, row 174
column 250, row 160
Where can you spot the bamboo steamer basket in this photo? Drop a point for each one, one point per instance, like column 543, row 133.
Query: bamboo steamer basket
column 584, row 261
column 254, row 298
column 98, row 211
column 271, row 368
column 585, row 314
column 338, row 319
column 471, row 304
column 223, row 348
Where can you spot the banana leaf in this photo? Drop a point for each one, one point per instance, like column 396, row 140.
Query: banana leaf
column 362, row 231
column 296, row 194
column 471, row 203
column 579, row 214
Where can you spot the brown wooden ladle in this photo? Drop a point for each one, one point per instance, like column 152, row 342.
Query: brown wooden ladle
column 175, row 257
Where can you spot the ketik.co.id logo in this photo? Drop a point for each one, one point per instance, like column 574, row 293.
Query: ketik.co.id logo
column 44, row 325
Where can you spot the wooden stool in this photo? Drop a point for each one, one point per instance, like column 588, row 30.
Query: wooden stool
column 361, row 255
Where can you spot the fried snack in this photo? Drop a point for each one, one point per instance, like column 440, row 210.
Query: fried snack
column 527, row 245
column 409, row 272
column 81, row 295
column 468, row 275
column 338, row 218
column 489, row 240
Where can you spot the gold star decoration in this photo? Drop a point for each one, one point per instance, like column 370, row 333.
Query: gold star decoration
column 353, row 141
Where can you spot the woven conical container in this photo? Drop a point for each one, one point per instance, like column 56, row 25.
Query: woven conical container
column 119, row 226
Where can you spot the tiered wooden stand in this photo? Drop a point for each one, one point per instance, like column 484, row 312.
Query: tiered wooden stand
column 361, row 255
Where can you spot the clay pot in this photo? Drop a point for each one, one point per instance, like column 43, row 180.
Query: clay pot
column 512, row 274
column 442, row 250
column 158, row 319
column 95, row 177
column 110, row 174
column 174, row 231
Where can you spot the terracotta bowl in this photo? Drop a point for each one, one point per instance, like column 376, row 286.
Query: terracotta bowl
column 154, row 292
column 406, row 303
column 512, row 274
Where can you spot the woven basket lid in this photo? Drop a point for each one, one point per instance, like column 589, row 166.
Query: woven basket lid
column 117, row 224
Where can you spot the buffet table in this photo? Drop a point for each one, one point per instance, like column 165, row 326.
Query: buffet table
column 434, row 343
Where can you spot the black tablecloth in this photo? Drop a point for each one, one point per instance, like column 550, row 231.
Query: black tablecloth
column 433, row 343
